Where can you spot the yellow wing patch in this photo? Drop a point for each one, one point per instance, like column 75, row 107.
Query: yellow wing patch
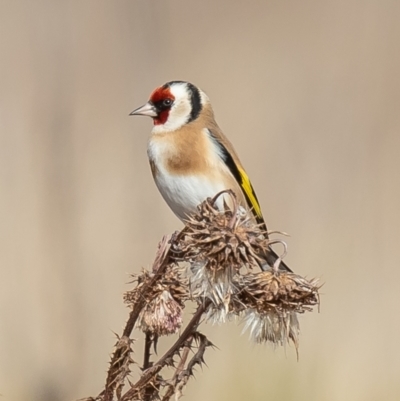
column 250, row 194
column 242, row 179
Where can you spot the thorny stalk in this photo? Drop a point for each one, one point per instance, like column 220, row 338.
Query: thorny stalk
column 166, row 360
column 118, row 358
column 210, row 262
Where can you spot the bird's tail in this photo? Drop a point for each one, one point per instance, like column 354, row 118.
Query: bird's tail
column 271, row 257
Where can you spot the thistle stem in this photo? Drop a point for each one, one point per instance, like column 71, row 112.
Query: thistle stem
column 153, row 370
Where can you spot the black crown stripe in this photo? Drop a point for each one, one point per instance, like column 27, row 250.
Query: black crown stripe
column 195, row 99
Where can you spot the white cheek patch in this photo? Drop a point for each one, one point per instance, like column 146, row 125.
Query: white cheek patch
column 180, row 111
column 177, row 118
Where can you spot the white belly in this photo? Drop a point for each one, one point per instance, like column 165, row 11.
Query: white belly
column 184, row 193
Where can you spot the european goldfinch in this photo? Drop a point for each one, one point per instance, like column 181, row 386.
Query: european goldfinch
column 190, row 157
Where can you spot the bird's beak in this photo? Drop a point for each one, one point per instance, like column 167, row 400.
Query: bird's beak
column 147, row 110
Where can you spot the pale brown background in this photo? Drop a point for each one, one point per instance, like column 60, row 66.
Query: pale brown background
column 308, row 91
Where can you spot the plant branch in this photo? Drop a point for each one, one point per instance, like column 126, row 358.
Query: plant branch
column 147, row 347
column 180, row 368
column 161, row 261
column 167, row 357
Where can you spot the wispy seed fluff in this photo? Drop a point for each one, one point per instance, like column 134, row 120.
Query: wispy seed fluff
column 276, row 327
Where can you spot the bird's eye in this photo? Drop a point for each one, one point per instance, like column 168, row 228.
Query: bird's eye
column 167, row 102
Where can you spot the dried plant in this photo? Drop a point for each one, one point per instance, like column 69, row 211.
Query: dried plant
column 162, row 313
column 213, row 262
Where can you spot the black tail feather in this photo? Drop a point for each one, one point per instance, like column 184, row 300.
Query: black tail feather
column 271, row 258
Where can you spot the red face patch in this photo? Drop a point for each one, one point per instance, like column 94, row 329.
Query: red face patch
column 160, row 94
column 161, row 118
column 157, row 98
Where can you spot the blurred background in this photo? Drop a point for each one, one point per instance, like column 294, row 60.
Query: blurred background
column 309, row 93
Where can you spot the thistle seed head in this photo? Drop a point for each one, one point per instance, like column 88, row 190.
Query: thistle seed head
column 220, row 245
column 165, row 301
column 162, row 316
column 270, row 302
column 278, row 291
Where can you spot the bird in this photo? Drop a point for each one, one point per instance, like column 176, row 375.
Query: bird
column 190, row 157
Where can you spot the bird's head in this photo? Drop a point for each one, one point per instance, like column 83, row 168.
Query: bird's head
column 173, row 105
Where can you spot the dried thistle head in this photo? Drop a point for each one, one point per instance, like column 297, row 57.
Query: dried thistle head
column 270, row 302
column 162, row 314
column 278, row 290
column 219, row 244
